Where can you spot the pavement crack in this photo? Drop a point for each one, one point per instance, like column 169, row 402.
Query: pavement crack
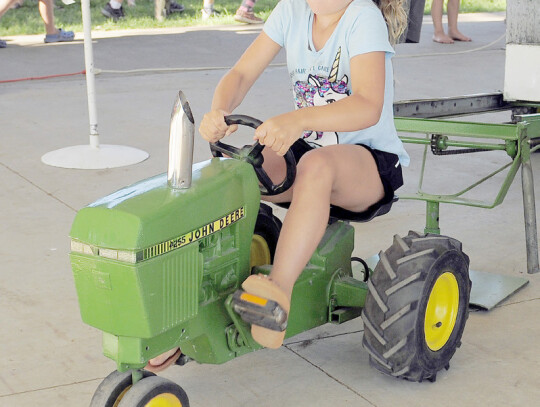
column 517, row 302
column 324, row 337
column 330, row 376
column 49, row 388
column 37, row 186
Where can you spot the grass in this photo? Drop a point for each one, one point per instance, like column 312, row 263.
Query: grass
column 26, row 20
column 474, row 6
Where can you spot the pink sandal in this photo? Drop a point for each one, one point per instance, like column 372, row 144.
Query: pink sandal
column 168, row 362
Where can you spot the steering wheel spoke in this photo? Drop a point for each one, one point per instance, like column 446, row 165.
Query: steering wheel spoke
column 265, row 180
column 218, row 149
column 252, row 154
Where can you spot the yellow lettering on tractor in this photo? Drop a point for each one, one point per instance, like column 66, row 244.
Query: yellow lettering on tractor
column 194, row 235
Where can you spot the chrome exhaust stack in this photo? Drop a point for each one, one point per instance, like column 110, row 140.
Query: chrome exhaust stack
column 181, row 140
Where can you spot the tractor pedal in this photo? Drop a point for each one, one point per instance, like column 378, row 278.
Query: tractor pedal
column 259, row 311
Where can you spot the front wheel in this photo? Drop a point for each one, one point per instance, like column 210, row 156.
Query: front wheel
column 155, row 392
column 417, row 306
column 113, row 388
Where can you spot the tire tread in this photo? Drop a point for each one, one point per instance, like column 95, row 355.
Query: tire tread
column 397, row 289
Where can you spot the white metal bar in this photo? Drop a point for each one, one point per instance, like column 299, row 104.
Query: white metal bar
column 90, row 77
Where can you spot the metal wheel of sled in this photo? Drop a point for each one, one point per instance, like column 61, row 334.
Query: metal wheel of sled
column 417, row 306
column 113, row 388
column 155, row 392
column 265, row 237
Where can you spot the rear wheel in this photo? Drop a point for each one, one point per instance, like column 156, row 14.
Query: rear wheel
column 265, row 237
column 417, row 306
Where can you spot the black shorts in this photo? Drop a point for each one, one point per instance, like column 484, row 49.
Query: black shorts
column 389, row 169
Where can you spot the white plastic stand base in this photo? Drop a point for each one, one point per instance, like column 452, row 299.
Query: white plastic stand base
column 86, row 157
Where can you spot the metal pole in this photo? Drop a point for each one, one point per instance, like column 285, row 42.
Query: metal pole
column 529, row 212
column 432, row 218
column 90, row 79
column 94, row 155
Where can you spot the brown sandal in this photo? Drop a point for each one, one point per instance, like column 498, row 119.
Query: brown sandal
column 262, row 286
column 168, row 362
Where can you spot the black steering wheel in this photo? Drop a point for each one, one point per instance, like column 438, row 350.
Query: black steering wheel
column 252, row 154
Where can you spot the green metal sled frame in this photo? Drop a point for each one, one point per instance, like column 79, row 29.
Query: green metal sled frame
column 518, row 139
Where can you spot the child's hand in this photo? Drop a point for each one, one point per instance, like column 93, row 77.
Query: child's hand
column 279, row 133
column 213, row 127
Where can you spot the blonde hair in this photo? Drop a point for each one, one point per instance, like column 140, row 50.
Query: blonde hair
column 395, row 16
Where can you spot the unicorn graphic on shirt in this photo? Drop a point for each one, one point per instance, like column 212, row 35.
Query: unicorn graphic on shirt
column 320, row 91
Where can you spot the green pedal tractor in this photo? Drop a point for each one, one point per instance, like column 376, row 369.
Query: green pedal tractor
column 159, row 264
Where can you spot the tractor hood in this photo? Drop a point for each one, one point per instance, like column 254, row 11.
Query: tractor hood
column 150, row 212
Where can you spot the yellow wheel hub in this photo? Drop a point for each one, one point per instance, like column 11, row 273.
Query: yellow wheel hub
column 164, row 400
column 120, row 396
column 260, row 252
column 441, row 311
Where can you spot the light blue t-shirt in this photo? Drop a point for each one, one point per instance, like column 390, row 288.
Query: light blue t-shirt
column 321, row 77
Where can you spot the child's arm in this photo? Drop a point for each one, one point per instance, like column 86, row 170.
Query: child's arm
column 233, row 87
column 360, row 110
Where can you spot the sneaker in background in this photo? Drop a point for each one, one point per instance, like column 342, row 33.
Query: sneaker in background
column 174, row 7
column 244, row 16
column 61, row 36
column 209, row 12
column 114, row 14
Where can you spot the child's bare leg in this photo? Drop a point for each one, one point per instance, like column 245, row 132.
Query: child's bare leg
column 453, row 12
column 343, row 175
column 438, row 30
column 303, row 227
column 276, row 169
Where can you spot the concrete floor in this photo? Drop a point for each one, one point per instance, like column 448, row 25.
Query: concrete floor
column 49, row 357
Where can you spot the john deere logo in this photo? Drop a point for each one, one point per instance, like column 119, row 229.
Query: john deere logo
column 194, row 235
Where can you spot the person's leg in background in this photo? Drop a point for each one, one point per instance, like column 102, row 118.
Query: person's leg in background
column 52, row 34
column 208, row 9
column 453, row 12
column 46, row 10
column 5, row 5
column 438, row 30
column 245, row 14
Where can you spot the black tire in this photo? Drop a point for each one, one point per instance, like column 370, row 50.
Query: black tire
column 113, row 388
column 155, row 389
column 395, row 321
column 266, row 235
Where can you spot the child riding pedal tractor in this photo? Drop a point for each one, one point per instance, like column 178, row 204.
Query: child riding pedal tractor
column 159, row 264
column 193, row 263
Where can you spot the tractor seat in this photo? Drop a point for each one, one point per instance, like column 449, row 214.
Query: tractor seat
column 337, row 213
